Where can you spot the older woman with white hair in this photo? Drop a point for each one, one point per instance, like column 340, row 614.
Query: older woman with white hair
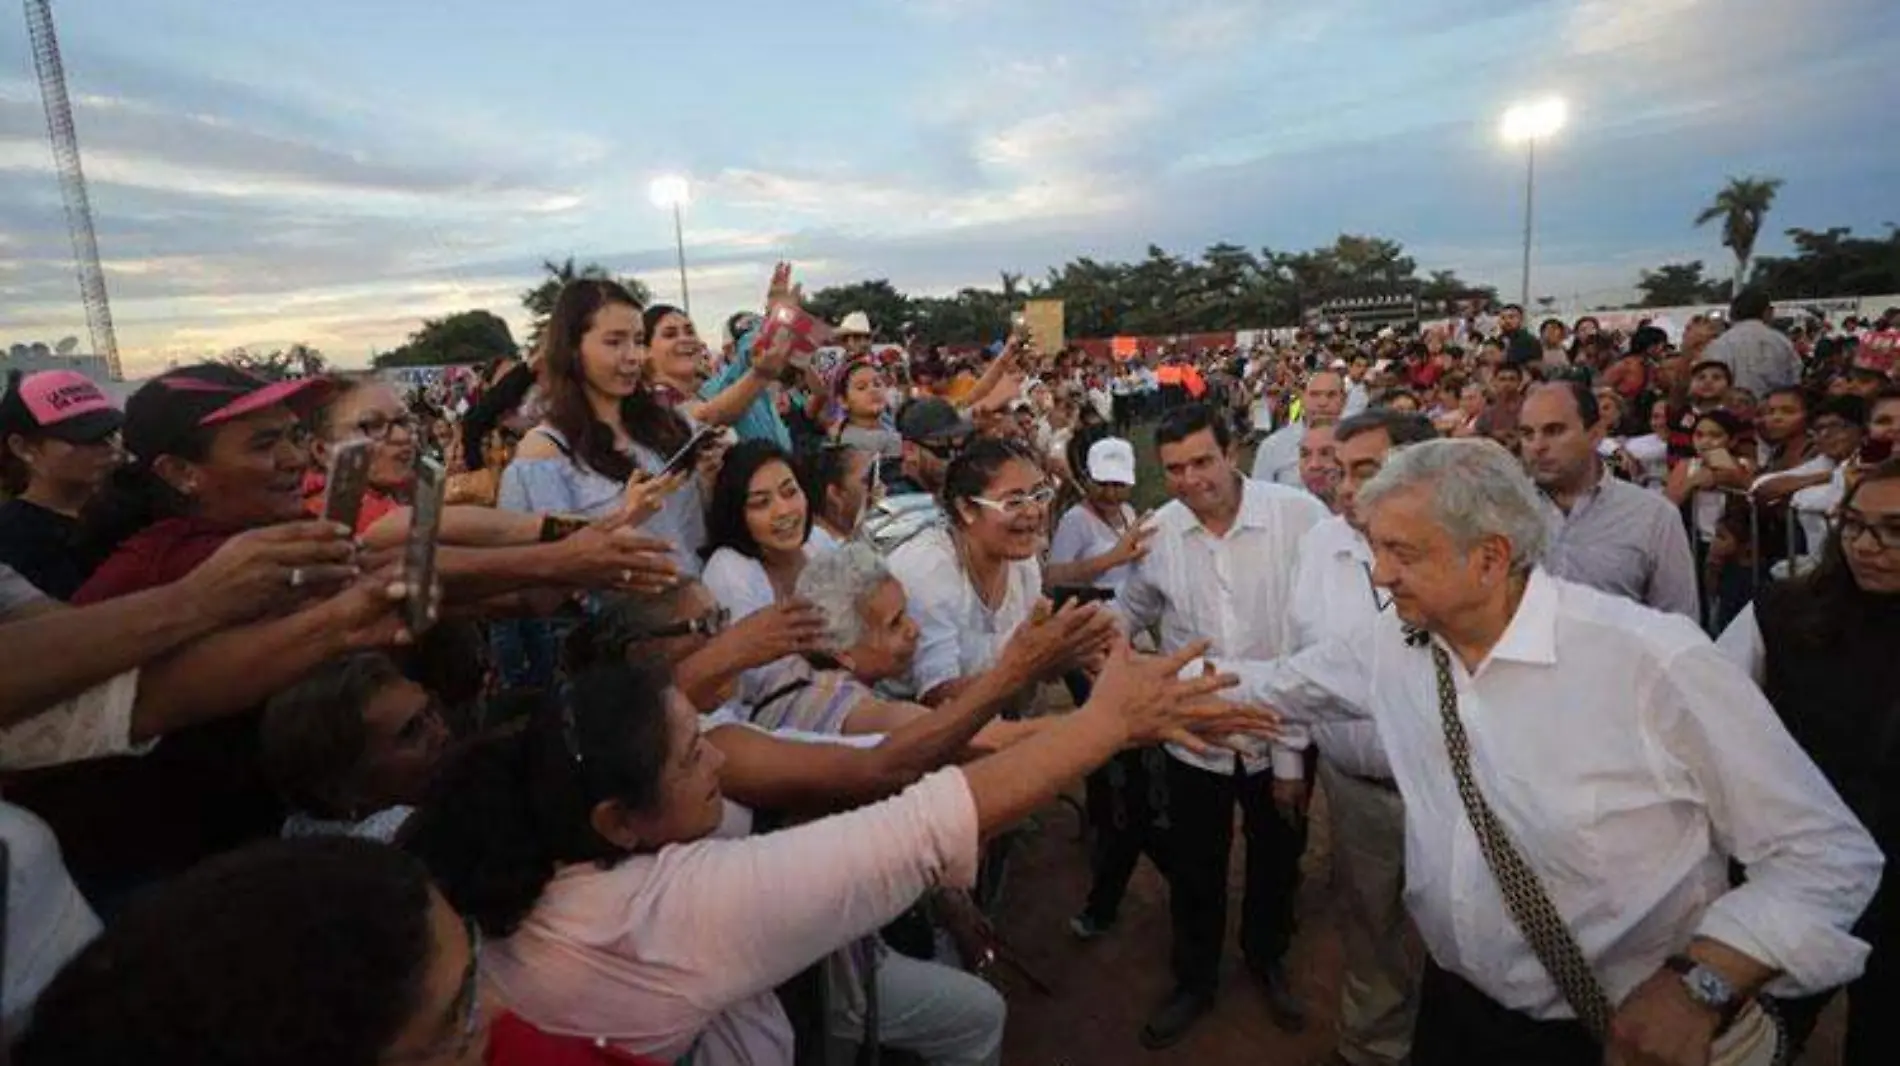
column 1589, row 767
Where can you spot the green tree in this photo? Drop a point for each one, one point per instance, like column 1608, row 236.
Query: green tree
column 297, row 361
column 887, row 308
column 1833, row 262
column 464, row 337
column 1680, row 285
column 1741, row 206
column 539, row 300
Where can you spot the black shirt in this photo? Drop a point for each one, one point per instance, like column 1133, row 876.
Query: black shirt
column 40, row 545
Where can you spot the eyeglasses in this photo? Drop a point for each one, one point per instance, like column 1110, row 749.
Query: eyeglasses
column 379, row 427
column 1018, row 503
column 945, row 450
column 1380, row 600
column 1851, row 526
column 466, row 1008
column 710, row 624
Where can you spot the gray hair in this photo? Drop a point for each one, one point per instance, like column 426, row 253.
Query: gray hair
column 1477, row 490
column 838, row 583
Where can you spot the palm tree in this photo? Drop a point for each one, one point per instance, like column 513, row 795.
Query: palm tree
column 1741, row 206
column 540, row 300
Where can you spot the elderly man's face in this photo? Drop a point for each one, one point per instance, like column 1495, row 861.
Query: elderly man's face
column 1431, row 579
column 889, row 640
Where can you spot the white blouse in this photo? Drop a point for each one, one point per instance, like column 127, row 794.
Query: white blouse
column 957, row 635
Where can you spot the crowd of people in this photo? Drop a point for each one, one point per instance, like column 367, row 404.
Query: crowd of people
column 701, row 733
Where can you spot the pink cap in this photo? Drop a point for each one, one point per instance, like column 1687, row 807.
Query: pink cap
column 64, row 404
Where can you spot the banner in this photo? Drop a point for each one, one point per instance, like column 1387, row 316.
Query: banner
column 1045, row 323
column 1124, row 348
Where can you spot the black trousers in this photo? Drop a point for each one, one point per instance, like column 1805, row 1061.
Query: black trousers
column 1122, row 810
column 1458, row 1025
column 1201, row 832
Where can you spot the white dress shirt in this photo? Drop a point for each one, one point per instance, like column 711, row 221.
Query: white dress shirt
column 1232, row 590
column 1278, row 458
column 1629, row 760
column 1333, row 599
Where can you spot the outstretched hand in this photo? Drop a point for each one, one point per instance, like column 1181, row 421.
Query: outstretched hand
column 1157, row 704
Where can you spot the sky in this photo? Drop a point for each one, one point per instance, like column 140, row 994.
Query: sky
column 272, row 172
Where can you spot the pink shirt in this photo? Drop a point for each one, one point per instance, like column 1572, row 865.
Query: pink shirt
column 679, row 951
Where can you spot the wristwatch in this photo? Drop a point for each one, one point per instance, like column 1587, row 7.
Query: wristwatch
column 1706, row 987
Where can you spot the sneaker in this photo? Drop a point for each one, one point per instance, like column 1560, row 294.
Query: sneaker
column 1086, row 926
column 1171, row 1022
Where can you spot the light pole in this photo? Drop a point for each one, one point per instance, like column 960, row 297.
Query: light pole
column 1530, row 123
column 673, row 191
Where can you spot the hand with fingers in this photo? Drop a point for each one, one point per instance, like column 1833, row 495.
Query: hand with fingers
column 608, row 555
column 1053, row 641
column 1133, row 545
column 788, row 627
column 255, row 571
column 645, row 494
column 369, row 613
column 1155, row 702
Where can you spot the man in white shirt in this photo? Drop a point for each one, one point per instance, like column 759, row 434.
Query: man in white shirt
column 1613, row 753
column 1278, row 459
column 1759, row 356
column 1220, row 568
column 1605, row 533
column 1334, row 599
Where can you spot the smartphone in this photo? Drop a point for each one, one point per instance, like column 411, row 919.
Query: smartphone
column 346, row 482
column 683, row 460
column 1875, row 451
column 418, row 560
column 1086, row 594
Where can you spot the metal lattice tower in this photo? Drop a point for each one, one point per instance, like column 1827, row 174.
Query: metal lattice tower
column 72, row 182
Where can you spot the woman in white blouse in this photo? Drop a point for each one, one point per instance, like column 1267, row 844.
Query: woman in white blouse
column 972, row 581
column 756, row 528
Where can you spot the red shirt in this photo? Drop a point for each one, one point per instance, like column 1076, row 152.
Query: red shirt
column 130, row 820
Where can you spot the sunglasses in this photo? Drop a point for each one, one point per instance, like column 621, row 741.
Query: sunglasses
column 710, row 624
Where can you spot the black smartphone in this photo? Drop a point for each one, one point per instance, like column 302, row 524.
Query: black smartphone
column 1086, row 594
column 684, row 459
column 418, row 561
column 345, row 483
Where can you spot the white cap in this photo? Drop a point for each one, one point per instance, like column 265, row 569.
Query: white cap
column 857, row 323
column 1112, row 462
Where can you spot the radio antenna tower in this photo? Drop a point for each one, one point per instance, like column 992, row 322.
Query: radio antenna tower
column 72, row 182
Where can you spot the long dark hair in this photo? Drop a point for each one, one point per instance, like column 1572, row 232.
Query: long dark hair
column 506, row 812
column 725, row 512
column 970, row 473
column 649, row 422
column 135, row 497
column 1826, row 602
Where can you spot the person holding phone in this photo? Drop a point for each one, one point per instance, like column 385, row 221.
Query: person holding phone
column 606, row 423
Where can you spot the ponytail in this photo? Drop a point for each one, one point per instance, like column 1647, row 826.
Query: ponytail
column 513, row 807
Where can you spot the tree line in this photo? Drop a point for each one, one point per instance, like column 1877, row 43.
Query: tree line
column 1225, row 287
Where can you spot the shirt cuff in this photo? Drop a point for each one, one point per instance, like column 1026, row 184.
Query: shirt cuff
column 1288, row 764
column 1812, row 955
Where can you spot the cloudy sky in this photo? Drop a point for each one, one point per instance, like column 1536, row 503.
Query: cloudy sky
column 266, row 172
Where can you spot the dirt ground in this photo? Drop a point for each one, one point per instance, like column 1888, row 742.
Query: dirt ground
column 1103, row 990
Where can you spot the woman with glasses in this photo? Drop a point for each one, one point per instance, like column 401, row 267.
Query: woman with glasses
column 971, row 581
column 1821, row 646
column 586, row 847
column 319, row 952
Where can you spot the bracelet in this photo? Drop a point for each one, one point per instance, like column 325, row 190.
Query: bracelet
column 556, row 527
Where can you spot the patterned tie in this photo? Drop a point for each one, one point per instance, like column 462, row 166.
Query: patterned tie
column 1531, row 909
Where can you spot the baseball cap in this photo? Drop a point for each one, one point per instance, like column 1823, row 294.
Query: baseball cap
column 63, row 404
column 1112, row 462
column 168, row 408
column 930, row 419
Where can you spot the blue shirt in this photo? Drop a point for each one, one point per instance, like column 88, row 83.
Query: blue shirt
column 760, row 420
